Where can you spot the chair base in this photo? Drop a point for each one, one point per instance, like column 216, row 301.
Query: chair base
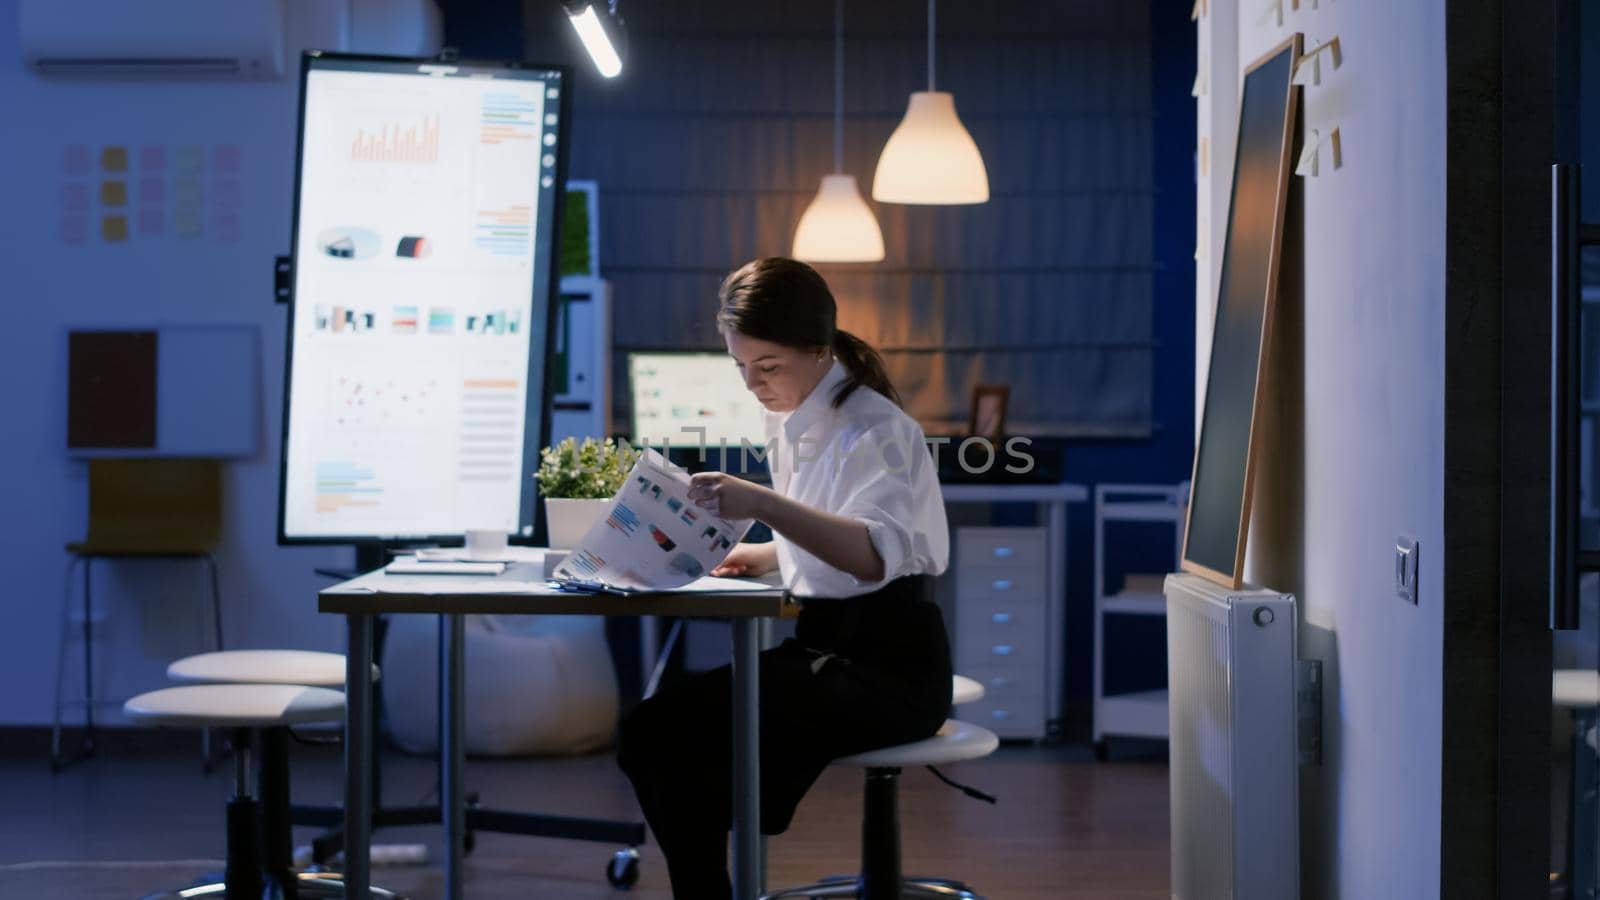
column 308, row 886
column 850, row 886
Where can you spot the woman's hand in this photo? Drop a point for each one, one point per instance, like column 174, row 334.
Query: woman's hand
column 724, row 495
column 748, row 561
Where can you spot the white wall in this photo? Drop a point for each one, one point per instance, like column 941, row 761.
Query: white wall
column 1369, row 454
column 148, row 607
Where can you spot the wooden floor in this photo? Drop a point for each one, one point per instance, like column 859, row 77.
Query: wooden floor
column 1065, row 826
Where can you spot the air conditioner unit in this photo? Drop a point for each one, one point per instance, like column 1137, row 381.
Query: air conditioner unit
column 153, row 38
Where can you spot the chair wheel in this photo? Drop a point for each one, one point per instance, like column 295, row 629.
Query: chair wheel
column 622, row 870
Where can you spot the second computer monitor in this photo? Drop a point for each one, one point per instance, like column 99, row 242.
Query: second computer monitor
column 692, row 400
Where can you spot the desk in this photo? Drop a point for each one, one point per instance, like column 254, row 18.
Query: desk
column 521, row 590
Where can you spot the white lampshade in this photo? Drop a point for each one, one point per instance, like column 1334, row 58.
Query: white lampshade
column 930, row 158
column 838, row 226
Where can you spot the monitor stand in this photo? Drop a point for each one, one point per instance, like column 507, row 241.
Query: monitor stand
column 622, row 868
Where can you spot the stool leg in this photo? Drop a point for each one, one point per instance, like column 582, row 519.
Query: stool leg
column 88, row 656
column 272, row 786
column 206, row 761
column 880, row 836
column 65, row 639
column 242, row 875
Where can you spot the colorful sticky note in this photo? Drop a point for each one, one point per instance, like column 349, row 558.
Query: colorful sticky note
column 113, row 193
column 226, row 193
column 152, row 158
column 114, row 159
column 186, row 223
column 75, row 196
column 186, row 192
column 152, row 190
column 75, row 159
column 114, row 228
column 188, row 160
column 151, row 221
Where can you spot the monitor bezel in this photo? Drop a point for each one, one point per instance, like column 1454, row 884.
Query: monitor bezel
column 530, row 513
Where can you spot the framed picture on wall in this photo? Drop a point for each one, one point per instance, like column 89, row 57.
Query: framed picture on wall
column 989, row 411
column 1230, row 442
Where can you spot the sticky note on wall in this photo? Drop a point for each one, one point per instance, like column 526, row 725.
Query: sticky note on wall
column 114, row 228
column 114, row 159
column 113, row 193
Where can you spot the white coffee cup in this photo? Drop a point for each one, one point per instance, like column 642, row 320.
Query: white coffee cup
column 485, row 543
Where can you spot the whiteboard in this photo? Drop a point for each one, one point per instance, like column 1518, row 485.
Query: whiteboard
column 1219, row 508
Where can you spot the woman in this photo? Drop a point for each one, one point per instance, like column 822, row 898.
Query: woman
column 858, row 532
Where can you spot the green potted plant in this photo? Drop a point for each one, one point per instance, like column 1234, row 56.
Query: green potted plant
column 577, row 482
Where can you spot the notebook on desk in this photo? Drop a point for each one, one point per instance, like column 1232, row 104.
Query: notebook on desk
column 411, row 565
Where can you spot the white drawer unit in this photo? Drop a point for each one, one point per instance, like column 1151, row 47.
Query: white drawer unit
column 1006, row 547
column 1003, row 625
column 1009, row 618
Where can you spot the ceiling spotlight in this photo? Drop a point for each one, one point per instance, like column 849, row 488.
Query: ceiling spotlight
column 600, row 29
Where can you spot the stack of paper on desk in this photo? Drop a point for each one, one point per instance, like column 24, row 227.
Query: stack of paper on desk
column 653, row 538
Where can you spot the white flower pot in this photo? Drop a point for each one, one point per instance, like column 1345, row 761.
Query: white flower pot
column 570, row 520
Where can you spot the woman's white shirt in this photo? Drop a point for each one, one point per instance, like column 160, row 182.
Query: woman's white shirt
column 866, row 460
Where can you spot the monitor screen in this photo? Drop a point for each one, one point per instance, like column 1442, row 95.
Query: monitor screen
column 677, row 396
column 424, row 245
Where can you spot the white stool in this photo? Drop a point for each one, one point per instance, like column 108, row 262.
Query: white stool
column 880, row 831
column 245, row 708
column 306, row 667
column 295, row 667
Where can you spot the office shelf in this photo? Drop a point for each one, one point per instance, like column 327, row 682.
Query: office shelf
column 1144, row 713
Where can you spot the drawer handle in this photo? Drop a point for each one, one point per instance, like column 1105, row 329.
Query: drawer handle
column 1002, row 584
column 1002, row 649
column 1001, row 714
column 999, row 681
column 1000, row 618
column 1002, row 552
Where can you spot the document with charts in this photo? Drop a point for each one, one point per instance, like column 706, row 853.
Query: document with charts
column 653, row 537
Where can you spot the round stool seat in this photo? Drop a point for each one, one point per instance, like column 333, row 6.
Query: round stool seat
column 310, row 667
column 1575, row 688
column 965, row 690
column 954, row 742
column 235, row 706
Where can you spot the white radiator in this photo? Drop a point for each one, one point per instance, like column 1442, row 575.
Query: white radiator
column 1235, row 758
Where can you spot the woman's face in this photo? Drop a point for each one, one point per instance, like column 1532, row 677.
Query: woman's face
column 780, row 377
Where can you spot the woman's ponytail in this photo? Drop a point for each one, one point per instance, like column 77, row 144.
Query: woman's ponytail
column 864, row 365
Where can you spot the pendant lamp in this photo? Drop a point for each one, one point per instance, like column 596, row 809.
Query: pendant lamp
column 838, row 226
column 930, row 158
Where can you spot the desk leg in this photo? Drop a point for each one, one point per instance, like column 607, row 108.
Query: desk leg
column 358, row 758
column 749, row 879
column 452, row 722
column 1057, row 618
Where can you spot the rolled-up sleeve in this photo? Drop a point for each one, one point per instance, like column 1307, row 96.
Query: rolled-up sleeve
column 885, row 480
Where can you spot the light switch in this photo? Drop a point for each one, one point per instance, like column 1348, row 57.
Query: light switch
column 1405, row 569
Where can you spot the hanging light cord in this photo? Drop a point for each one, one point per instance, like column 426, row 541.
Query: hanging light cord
column 838, row 87
column 930, row 45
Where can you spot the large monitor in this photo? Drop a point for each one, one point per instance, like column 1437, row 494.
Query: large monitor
column 425, row 247
column 679, row 396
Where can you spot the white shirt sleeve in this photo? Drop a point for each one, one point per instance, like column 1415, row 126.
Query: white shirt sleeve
column 885, row 479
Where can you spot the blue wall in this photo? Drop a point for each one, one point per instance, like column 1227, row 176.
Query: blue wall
column 1136, row 652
